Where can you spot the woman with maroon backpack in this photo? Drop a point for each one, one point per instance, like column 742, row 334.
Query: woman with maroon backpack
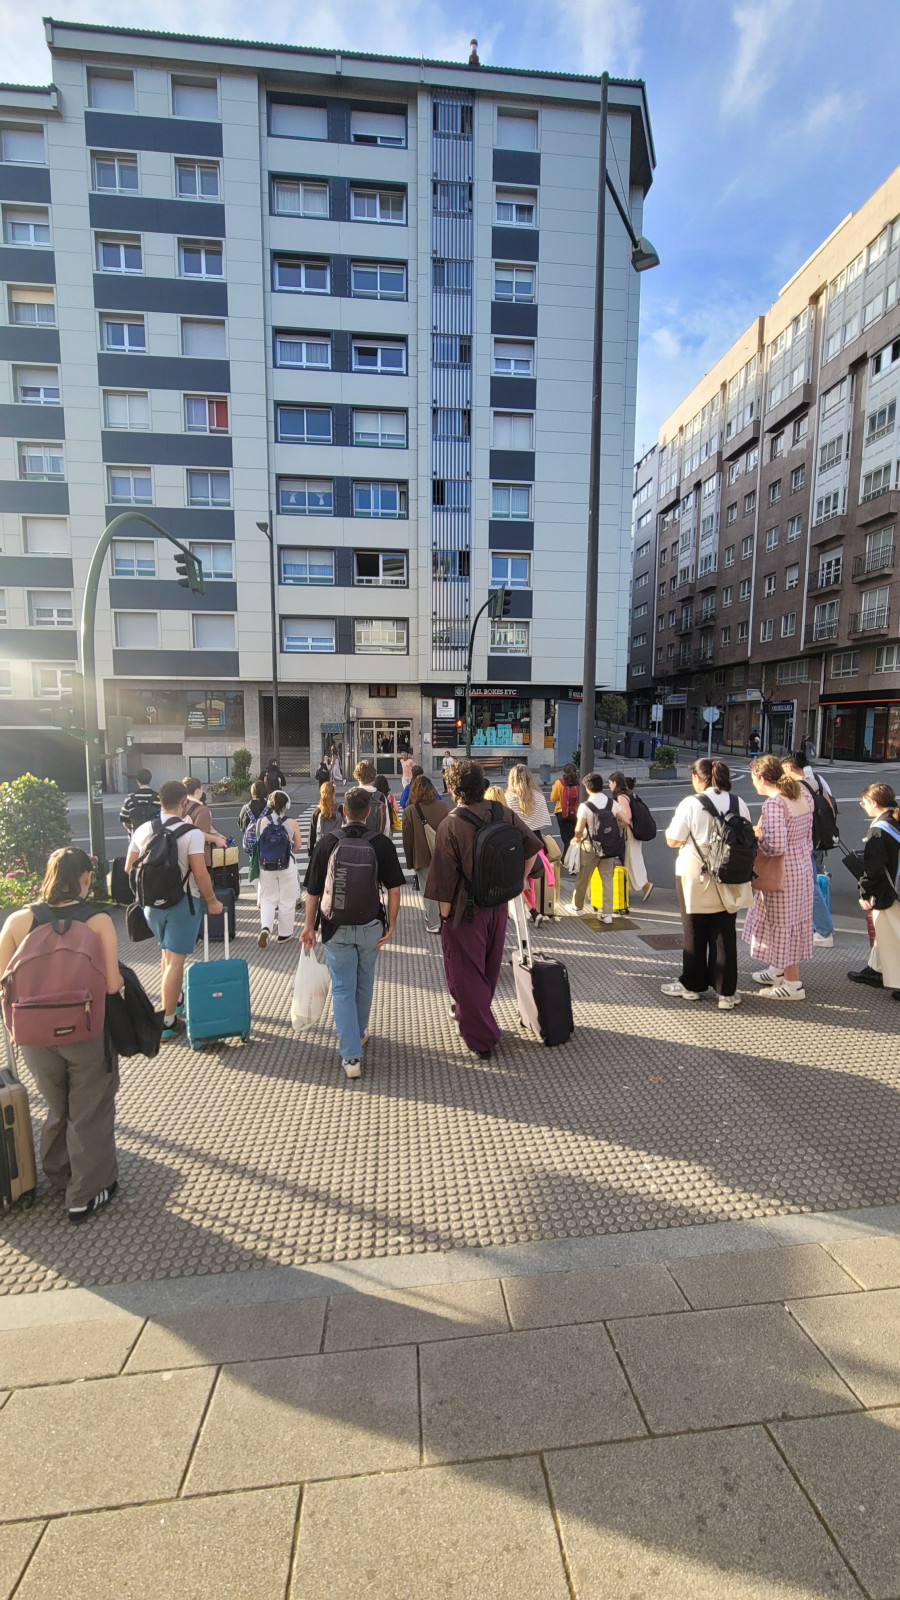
column 564, row 799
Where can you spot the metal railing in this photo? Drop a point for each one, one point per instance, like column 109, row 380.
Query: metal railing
column 875, row 620
column 873, row 561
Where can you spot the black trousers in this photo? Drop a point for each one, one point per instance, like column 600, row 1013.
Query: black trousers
column 709, row 957
column 566, row 827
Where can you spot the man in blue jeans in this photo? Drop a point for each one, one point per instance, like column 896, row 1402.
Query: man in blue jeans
column 351, row 920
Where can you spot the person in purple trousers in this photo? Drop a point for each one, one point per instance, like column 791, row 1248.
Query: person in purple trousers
column 472, row 937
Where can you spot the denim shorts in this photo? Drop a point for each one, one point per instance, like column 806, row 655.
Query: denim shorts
column 176, row 927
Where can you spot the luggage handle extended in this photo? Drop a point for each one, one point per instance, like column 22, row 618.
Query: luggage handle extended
column 523, row 937
column 206, row 933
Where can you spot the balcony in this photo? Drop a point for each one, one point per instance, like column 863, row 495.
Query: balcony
column 818, row 631
column 741, row 440
column 873, row 561
column 704, row 658
column 684, row 625
column 798, row 400
column 816, row 582
column 884, row 503
column 683, row 664
column 877, row 620
column 707, row 616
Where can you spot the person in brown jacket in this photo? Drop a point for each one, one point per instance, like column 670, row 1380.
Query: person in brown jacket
column 422, row 813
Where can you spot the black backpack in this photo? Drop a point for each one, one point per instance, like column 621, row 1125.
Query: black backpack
column 824, row 829
column 375, row 817
column 156, row 877
column 142, row 808
column 498, row 860
column 134, row 1027
column 731, row 852
column 643, row 822
column 607, row 838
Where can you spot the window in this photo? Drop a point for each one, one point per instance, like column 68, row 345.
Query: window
column 307, row 636
column 752, row 458
column 22, row 144
column 202, row 338
column 130, row 486
column 638, row 640
column 197, row 180
column 41, row 461
column 46, row 536
column 50, row 609
column 661, row 619
column 213, row 630
column 136, row 630
column 743, row 632
column 196, row 260
column 379, row 569
column 119, row 255
column 769, row 583
column 296, row 276
column 451, row 117
column 217, row 560
column 517, row 130
column 642, row 549
column 514, row 359
column 379, row 499
column 775, row 492
column 303, row 424
column 642, row 580
column 875, row 608
column 205, row 414
column 731, row 514
column 771, row 538
column 36, row 386
column 110, row 91
column 831, row 569
column 452, row 199
column 378, row 280
column 728, row 558
column 794, row 528
column 293, row 350
column 378, row 205
column 306, row 566
column 879, row 550
column 792, row 577
column 291, row 197
column 451, row 350
column 749, row 502
column 371, row 356
column 798, row 478
column 747, row 547
column 453, row 493
column 377, row 636
column 728, row 594
column 846, row 663
column 788, row 624
column 125, row 334
column 514, row 283
column 118, row 174
column 378, row 127
column 126, row 410
column 208, row 488
column 450, row 566
column 801, row 429
column 885, row 358
column 510, row 570
column 134, row 558
column 51, row 682
column 744, row 590
column 195, row 97
column 793, row 672
column 880, row 422
column 511, row 501
column 450, row 273
column 451, row 422
column 311, row 497
column 776, row 447
column 510, row 638
column 726, row 634
column 831, row 453
column 661, row 590
column 825, row 620
column 640, row 611
column 514, row 430
column 297, row 122
column 5, row 677
column 516, row 208
column 26, row 227
column 887, row 659
column 872, row 310
column 877, row 482
column 385, row 429
column 32, row 307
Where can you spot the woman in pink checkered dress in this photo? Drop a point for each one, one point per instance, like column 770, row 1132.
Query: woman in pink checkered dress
column 779, row 926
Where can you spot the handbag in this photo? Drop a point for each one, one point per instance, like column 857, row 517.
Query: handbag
column 136, row 924
column 768, row 874
column 312, row 986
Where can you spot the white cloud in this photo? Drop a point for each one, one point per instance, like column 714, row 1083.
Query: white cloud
column 606, row 35
column 758, row 57
column 832, row 108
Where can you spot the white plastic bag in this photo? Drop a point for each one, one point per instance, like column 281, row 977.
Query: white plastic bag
column 572, row 858
column 312, row 986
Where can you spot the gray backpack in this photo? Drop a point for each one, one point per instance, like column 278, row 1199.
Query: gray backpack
column 351, row 895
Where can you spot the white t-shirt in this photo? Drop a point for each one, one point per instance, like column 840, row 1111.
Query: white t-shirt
column 190, row 844
column 293, row 828
column 693, row 818
column 587, row 811
column 816, row 778
column 538, row 820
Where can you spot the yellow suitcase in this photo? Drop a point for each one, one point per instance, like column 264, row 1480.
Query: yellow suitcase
column 620, row 891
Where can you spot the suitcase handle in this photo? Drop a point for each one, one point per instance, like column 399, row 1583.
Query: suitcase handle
column 206, row 933
column 523, row 937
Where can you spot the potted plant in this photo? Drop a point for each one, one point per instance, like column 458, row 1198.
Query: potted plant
column 665, row 765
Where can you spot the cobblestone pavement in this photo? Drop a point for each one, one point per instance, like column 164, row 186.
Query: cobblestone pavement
column 656, row 1114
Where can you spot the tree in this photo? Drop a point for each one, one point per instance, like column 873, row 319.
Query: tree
column 241, row 763
column 611, row 708
column 33, row 822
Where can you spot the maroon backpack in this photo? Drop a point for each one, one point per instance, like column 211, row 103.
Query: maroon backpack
column 569, row 800
column 54, row 989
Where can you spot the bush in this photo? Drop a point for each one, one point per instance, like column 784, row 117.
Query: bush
column 666, row 755
column 18, row 889
column 241, row 763
column 33, row 822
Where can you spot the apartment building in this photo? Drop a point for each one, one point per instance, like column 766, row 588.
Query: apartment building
column 772, row 513
column 348, row 297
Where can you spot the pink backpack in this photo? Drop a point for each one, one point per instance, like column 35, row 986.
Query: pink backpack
column 54, row 989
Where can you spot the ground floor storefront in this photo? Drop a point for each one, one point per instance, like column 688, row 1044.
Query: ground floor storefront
column 861, row 729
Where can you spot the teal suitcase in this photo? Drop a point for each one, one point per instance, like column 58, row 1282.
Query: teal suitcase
column 216, row 996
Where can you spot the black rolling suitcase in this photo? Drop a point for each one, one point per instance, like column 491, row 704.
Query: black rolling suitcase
column 225, row 870
column 542, row 986
column 217, row 922
column 120, row 890
column 18, row 1174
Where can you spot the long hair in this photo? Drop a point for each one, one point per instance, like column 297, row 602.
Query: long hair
column 623, row 785
column 713, row 775
column 62, row 879
column 522, row 786
column 569, row 775
column 769, row 769
column 326, row 799
column 422, row 791
column 494, row 792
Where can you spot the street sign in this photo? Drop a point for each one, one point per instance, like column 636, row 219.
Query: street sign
column 711, row 714
column 656, row 713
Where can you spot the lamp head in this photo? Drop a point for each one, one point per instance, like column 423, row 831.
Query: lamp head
column 263, row 527
column 643, row 255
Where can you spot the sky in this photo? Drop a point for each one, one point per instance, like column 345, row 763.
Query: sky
column 767, row 119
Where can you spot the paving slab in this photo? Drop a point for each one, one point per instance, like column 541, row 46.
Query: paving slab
column 850, row 1468
column 235, row 1547
column 874, row 1263
column 518, row 1392
column 447, row 1311
column 16, row 1545
column 756, row 1276
column 81, row 1446
column 235, row 1333
column 63, row 1354
column 554, row 1298
column 480, row 1532
column 309, row 1417
column 860, row 1335
column 714, row 1369
column 705, row 1517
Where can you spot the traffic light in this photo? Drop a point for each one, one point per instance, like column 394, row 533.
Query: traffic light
column 117, row 729
column 501, row 604
column 189, row 569
column 459, row 724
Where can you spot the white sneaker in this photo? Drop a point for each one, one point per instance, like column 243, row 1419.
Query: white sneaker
column 352, row 1067
column 605, row 918
column 678, row 991
column 783, row 991
column 727, row 1002
column 768, row 975
column 573, row 910
column 826, row 940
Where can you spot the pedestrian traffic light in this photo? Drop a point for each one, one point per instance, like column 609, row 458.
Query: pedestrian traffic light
column 459, row 723
column 189, row 569
column 501, row 604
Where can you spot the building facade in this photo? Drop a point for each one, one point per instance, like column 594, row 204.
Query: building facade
column 765, row 538
column 348, row 297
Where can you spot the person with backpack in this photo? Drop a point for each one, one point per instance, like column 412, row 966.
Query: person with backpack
column 325, row 818
column 879, row 888
column 253, row 808
column 60, row 959
column 824, row 838
column 598, row 833
column 638, row 822
column 482, row 856
column 142, row 805
column 278, row 843
column 713, row 834
column 170, row 878
column 384, row 789
column 422, row 816
column 564, row 797
column 346, row 874
column 272, row 777
column 378, row 816
column 779, row 925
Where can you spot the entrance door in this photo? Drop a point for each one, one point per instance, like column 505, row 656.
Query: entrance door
column 384, row 740
column 293, row 730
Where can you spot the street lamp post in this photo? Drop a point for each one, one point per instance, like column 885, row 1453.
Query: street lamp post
column 268, row 528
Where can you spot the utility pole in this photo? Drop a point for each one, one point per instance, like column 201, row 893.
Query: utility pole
column 589, row 691
column 500, row 603
column 268, row 528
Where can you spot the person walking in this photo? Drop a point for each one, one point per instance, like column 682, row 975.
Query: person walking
column 378, row 819
column 334, row 763
column 422, row 817
column 404, row 792
column 272, row 778
column 708, row 908
column 253, row 808
column 446, row 764
column 175, row 925
column 527, row 801
column 354, row 930
column 276, row 886
column 472, row 936
column 78, row 1080
column 621, row 789
column 779, row 924
column 384, row 789
column 564, row 799
column 586, row 828
column 325, row 818
column 197, row 811
column 142, row 805
column 823, row 925
column 407, row 768
column 878, row 888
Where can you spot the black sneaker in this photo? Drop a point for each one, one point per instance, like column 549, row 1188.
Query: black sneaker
column 81, row 1213
column 867, row 975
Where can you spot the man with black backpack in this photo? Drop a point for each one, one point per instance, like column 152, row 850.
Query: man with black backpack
column 167, row 863
column 482, row 856
column 343, row 884
column 142, row 805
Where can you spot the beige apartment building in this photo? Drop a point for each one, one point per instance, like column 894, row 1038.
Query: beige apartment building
column 764, row 520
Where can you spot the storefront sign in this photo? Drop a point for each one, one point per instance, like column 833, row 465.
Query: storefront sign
column 754, row 694
column 782, row 708
column 445, row 708
column 679, row 698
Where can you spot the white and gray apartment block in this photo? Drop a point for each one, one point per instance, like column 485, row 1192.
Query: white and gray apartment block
column 764, row 519
column 349, row 294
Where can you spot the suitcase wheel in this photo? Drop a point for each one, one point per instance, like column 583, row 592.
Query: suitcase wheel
column 245, row 1036
column 27, row 1199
